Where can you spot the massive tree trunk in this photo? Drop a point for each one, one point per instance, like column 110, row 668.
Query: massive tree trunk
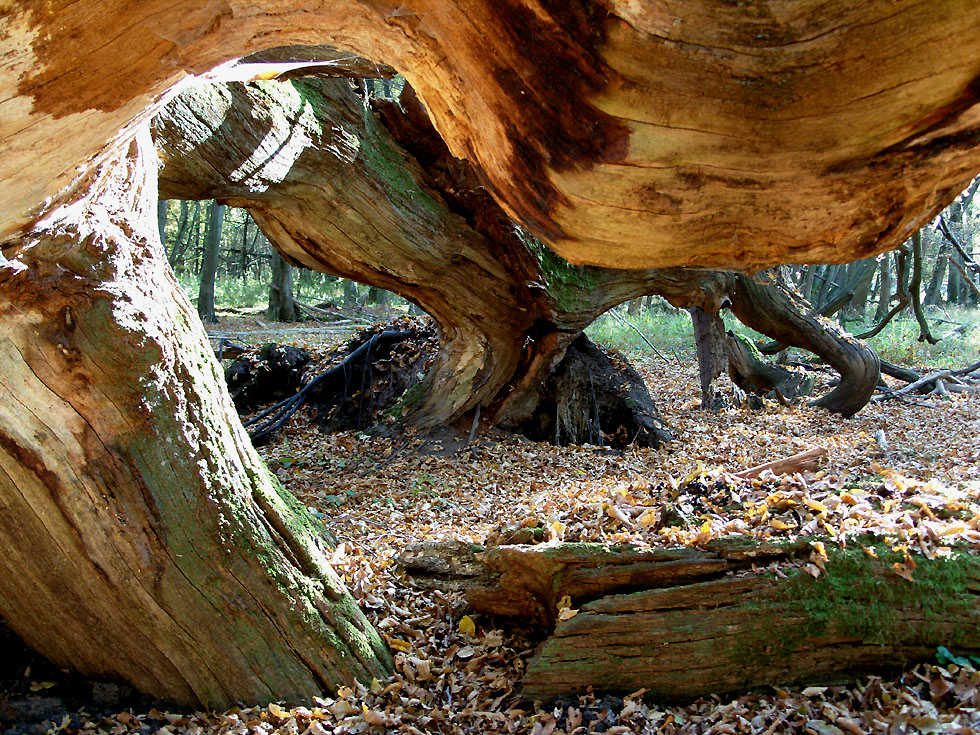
column 382, row 201
column 141, row 537
column 626, row 134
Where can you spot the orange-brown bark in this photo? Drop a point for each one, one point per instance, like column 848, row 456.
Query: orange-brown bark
column 631, row 134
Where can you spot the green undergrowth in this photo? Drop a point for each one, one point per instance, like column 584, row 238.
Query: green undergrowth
column 670, row 331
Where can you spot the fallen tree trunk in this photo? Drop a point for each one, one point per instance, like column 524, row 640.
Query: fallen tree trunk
column 383, row 202
column 551, row 101
column 686, row 622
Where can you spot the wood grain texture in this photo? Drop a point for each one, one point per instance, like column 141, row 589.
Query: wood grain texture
column 627, row 134
column 685, row 622
column 142, row 539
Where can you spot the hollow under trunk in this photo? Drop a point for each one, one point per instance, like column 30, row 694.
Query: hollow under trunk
column 380, row 199
column 141, row 537
column 591, row 397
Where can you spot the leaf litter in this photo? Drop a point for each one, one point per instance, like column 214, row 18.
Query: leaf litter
column 458, row 672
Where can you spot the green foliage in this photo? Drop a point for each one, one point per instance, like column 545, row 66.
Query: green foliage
column 898, row 342
column 670, row 330
column 944, row 657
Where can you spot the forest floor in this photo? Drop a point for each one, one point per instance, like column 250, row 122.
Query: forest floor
column 459, row 672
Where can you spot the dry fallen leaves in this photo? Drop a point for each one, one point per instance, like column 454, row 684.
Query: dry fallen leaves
column 459, row 672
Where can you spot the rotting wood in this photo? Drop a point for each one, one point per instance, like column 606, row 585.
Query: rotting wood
column 686, row 622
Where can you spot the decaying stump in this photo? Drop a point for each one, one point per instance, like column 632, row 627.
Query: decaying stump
column 277, row 373
column 594, row 397
column 684, row 622
column 591, row 397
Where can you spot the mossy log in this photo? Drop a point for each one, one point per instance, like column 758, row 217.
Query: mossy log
column 686, row 622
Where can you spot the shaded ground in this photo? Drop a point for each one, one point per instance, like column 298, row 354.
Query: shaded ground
column 918, row 485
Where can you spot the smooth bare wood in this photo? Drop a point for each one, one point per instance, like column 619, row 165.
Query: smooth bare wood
column 627, row 134
column 808, row 460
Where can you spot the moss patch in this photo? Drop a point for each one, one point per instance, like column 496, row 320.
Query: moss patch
column 862, row 596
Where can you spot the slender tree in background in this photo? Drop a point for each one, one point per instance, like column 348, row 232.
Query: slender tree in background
column 282, row 308
column 209, row 262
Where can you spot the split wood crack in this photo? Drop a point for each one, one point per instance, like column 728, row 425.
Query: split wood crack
column 684, row 622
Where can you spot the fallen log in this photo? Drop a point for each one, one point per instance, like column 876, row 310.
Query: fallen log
column 684, row 622
column 808, row 460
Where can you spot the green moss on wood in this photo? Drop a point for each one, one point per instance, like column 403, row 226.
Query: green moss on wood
column 863, row 597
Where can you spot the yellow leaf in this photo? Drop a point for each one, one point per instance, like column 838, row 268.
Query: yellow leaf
column 344, row 692
column 276, row 711
column 564, row 603
column 467, row 626
column 39, row 685
column 399, row 645
column 376, row 687
column 815, row 505
column 649, row 518
column 557, row 530
column 820, row 549
column 780, row 525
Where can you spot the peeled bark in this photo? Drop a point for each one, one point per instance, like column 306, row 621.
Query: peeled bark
column 626, row 134
column 141, row 537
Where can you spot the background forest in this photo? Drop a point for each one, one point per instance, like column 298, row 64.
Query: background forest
column 916, row 305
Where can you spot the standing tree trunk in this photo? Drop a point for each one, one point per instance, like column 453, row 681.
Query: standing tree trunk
column 281, row 305
column 162, row 222
column 209, row 263
column 141, row 537
column 709, row 340
column 934, row 289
